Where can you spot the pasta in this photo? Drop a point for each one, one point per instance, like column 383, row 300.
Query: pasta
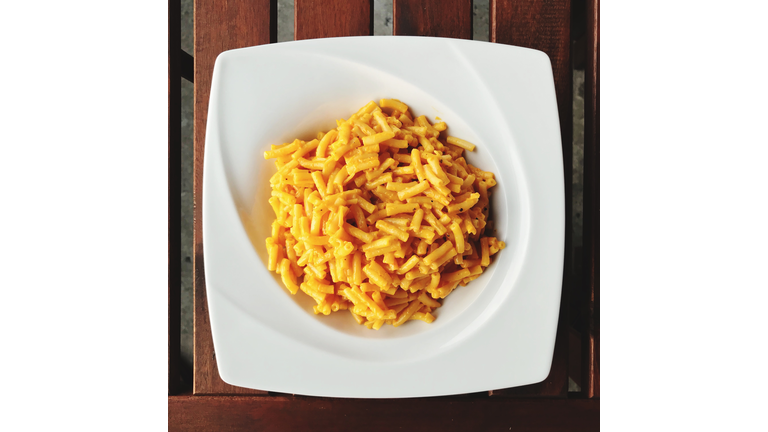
column 380, row 217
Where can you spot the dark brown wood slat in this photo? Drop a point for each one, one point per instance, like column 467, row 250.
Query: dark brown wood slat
column 187, row 67
column 219, row 26
column 280, row 413
column 575, row 354
column 545, row 25
column 442, row 18
column 592, row 201
column 332, row 18
column 174, row 196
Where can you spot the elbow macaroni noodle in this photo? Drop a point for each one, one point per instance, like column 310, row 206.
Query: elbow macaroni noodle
column 379, row 217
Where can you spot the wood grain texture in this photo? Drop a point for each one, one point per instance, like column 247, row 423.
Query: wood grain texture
column 278, row 413
column 219, row 26
column 545, row 25
column 332, row 18
column 442, row 18
column 591, row 259
column 174, row 196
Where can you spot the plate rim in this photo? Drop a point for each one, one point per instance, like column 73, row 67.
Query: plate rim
column 225, row 372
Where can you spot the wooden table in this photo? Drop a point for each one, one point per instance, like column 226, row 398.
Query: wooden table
column 546, row 25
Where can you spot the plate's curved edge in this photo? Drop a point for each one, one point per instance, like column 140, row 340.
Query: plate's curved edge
column 376, row 39
column 221, row 59
column 229, row 373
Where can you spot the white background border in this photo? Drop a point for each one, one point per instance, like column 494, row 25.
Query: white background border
column 83, row 209
column 684, row 194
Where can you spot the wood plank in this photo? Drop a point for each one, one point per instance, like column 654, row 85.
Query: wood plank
column 592, row 200
column 575, row 363
column 174, row 196
column 442, row 18
column 187, row 67
column 332, row 18
column 545, row 25
column 279, row 413
column 578, row 34
column 219, row 26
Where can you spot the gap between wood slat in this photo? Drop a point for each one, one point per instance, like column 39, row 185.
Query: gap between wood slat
column 174, row 197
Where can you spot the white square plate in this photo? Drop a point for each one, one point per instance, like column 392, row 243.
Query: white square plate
column 498, row 331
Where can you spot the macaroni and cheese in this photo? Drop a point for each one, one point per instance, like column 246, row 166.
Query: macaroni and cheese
column 381, row 217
